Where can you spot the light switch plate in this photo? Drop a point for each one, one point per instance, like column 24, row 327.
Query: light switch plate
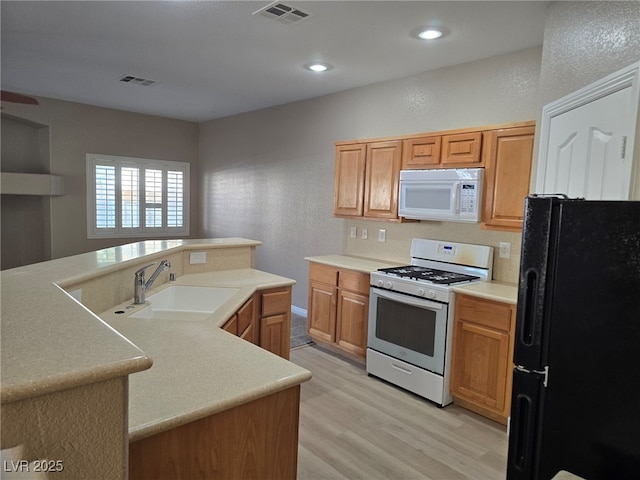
column 364, row 234
column 197, row 257
column 382, row 235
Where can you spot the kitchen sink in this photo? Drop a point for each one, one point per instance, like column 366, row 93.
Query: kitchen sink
column 183, row 302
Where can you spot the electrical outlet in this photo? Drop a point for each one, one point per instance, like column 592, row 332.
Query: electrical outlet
column 382, row 235
column 364, row 234
column 505, row 250
column 354, row 232
column 197, row 257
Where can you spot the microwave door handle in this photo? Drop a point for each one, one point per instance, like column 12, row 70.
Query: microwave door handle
column 455, row 197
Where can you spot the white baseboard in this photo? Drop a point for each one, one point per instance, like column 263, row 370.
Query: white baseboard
column 299, row 311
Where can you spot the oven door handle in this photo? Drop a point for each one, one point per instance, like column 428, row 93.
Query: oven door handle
column 401, row 298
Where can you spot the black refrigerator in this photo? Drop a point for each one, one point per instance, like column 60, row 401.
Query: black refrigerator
column 576, row 385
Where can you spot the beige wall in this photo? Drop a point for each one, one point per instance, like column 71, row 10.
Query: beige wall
column 269, row 174
column 75, row 130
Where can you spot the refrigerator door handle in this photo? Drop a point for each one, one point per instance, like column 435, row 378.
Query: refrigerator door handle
column 530, row 299
column 521, row 429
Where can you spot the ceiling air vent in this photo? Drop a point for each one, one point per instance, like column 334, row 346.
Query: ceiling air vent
column 283, row 13
column 145, row 82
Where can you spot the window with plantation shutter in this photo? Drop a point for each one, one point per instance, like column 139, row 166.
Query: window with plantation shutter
column 134, row 197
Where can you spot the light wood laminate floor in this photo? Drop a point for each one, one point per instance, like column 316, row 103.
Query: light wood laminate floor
column 353, row 426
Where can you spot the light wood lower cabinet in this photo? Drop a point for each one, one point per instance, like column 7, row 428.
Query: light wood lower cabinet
column 338, row 308
column 275, row 321
column 257, row 440
column 482, row 363
column 265, row 320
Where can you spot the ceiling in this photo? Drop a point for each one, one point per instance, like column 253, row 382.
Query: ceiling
column 213, row 59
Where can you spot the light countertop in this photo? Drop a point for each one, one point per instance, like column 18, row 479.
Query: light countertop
column 198, row 368
column 50, row 342
column 498, row 291
column 359, row 264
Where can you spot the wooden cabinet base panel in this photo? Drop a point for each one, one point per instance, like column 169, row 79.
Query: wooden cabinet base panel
column 485, row 412
column 257, row 440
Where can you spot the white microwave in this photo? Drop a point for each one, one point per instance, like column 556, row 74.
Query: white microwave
column 450, row 195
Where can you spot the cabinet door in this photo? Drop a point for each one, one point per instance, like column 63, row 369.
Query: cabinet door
column 322, row 311
column 480, row 365
column 248, row 322
column 421, row 152
column 275, row 334
column 382, row 172
column 348, row 189
column 232, row 325
column 353, row 312
column 507, row 155
column 461, row 150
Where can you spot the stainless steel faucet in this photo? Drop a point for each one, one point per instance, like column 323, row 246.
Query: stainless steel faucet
column 140, row 287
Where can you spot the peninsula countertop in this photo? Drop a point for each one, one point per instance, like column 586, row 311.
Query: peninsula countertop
column 199, row 369
column 38, row 317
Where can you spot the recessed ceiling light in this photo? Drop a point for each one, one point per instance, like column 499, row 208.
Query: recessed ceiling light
column 318, row 67
column 430, row 34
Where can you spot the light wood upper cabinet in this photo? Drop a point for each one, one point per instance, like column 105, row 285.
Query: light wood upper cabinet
column 421, row 153
column 461, row 150
column 507, row 157
column 348, row 189
column 483, row 339
column 367, row 174
column 366, row 180
column 382, row 176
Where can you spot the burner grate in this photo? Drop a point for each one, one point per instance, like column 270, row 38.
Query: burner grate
column 431, row 275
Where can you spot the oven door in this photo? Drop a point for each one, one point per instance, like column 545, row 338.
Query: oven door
column 408, row 328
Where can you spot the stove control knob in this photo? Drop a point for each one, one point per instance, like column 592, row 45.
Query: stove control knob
column 431, row 294
column 388, row 285
column 380, row 283
column 421, row 292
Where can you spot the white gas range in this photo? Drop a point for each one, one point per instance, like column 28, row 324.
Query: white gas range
column 411, row 315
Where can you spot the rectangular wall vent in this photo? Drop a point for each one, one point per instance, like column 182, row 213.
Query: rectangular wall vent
column 145, row 82
column 282, row 13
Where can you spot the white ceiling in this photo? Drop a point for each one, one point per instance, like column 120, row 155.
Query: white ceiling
column 214, row 58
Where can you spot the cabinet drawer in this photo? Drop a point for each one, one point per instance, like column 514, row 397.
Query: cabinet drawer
column 323, row 273
column 276, row 301
column 354, row 281
column 491, row 314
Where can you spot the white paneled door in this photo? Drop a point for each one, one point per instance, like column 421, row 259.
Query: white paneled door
column 587, row 141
